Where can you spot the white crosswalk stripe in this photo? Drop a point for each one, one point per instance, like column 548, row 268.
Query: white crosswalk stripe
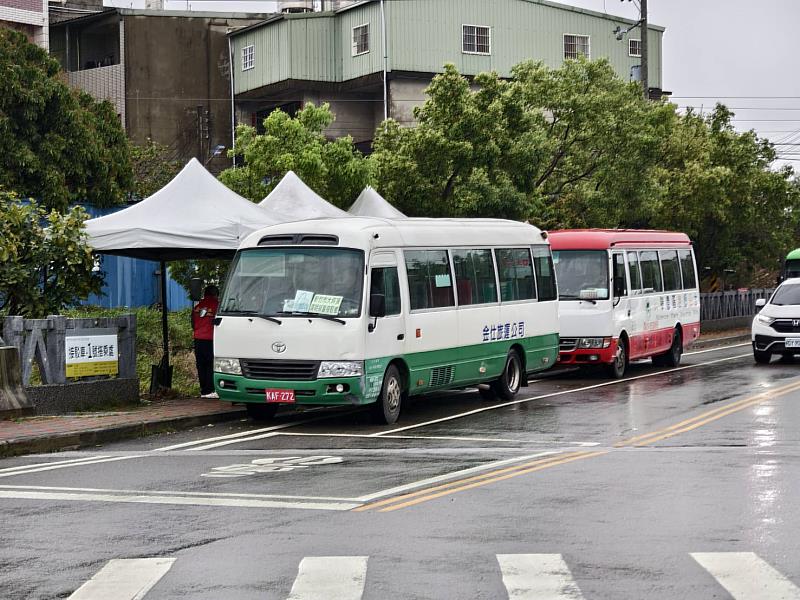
column 328, row 577
column 746, row 576
column 537, row 577
column 124, row 579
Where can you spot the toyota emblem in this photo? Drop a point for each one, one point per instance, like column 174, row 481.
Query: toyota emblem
column 279, row 347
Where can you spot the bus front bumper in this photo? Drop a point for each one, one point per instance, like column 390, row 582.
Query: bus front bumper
column 320, row 392
column 569, row 354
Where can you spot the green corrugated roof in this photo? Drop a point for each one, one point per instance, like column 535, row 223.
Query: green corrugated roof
column 794, row 255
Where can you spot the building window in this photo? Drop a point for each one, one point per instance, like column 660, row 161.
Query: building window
column 248, row 57
column 360, row 39
column 576, row 45
column 476, row 39
column 634, row 47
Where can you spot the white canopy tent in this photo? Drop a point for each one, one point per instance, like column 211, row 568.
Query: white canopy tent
column 193, row 216
column 298, row 202
column 371, row 204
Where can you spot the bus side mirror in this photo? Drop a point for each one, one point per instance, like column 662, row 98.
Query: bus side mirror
column 761, row 303
column 195, row 289
column 377, row 305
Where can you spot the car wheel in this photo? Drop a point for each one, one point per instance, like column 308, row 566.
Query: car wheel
column 387, row 409
column 507, row 385
column 762, row 357
column 261, row 412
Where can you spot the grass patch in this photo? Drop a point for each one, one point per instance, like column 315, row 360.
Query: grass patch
column 149, row 344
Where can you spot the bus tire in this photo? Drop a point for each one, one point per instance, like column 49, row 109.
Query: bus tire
column 507, row 385
column 762, row 357
column 616, row 370
column 387, row 409
column 261, row 412
column 672, row 358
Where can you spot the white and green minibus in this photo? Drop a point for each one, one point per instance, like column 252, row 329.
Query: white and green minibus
column 357, row 311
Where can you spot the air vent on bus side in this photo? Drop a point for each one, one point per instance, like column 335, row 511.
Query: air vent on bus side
column 442, row 375
column 299, row 239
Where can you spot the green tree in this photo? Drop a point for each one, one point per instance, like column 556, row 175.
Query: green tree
column 332, row 168
column 57, row 145
column 45, row 262
column 153, row 168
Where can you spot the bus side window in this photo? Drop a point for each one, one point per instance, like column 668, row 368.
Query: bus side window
column 633, row 267
column 651, row 272
column 620, row 280
column 386, row 282
column 671, row 269
column 429, row 281
column 475, row 282
column 516, row 274
column 545, row 273
column 687, row 269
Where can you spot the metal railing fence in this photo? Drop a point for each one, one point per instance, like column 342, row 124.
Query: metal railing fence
column 731, row 304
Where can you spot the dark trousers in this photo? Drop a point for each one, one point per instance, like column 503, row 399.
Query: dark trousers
column 204, row 355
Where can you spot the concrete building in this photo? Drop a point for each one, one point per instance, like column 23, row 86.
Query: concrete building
column 166, row 72
column 28, row 16
column 337, row 56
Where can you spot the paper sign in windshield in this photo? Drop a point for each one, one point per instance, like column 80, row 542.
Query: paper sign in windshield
column 325, row 305
column 443, row 280
column 302, row 301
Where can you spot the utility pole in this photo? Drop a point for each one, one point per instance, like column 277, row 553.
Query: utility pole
column 643, row 68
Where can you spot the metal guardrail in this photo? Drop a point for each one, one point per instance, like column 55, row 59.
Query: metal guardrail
column 731, row 304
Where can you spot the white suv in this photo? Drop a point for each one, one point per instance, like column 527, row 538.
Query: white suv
column 776, row 328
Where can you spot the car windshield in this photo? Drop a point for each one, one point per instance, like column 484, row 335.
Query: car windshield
column 786, row 294
column 295, row 281
column 582, row 274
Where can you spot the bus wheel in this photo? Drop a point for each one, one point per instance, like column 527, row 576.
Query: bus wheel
column 507, row 385
column 673, row 357
column 261, row 412
column 616, row 369
column 387, row 409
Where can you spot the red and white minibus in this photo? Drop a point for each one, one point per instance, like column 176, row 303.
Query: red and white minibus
column 625, row 295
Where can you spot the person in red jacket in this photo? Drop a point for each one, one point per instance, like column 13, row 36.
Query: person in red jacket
column 203, row 326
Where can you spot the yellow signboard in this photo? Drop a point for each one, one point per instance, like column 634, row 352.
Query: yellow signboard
column 90, row 355
column 89, row 369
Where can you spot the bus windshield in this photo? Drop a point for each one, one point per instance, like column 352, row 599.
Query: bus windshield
column 582, row 274
column 295, row 281
column 792, row 268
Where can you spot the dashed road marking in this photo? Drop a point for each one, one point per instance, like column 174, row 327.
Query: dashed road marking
column 746, row 576
column 537, row 577
column 328, row 577
column 124, row 579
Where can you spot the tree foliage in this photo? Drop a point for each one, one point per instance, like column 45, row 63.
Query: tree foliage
column 57, row 145
column 45, row 262
column 332, row 168
column 153, row 168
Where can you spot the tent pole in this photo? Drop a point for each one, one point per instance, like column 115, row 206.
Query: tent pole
column 166, row 377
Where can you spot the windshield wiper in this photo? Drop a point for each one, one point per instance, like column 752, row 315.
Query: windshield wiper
column 312, row 314
column 571, row 297
column 249, row 313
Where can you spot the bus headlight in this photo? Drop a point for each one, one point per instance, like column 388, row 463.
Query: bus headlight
column 340, row 368
column 594, row 342
column 230, row 366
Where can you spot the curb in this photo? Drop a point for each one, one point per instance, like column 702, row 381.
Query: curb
column 721, row 342
column 92, row 437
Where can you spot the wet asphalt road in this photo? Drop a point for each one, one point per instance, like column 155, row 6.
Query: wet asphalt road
column 622, row 481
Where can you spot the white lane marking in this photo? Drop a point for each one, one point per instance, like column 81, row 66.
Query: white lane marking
column 717, row 349
column 537, row 577
column 53, row 462
column 168, row 493
column 453, row 438
column 51, row 467
column 184, row 500
column 453, row 475
column 124, row 579
column 552, row 395
column 262, row 436
column 746, row 576
column 327, row 577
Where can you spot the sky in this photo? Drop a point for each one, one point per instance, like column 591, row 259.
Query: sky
column 742, row 53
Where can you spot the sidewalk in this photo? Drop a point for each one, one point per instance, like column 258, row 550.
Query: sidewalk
column 68, row 432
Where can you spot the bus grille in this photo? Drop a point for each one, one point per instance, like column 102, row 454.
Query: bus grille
column 567, row 344
column 442, row 376
column 281, row 370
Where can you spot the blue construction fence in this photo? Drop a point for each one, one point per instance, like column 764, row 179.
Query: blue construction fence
column 132, row 282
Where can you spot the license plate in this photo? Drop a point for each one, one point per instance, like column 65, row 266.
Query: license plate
column 279, row 396
column 792, row 342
